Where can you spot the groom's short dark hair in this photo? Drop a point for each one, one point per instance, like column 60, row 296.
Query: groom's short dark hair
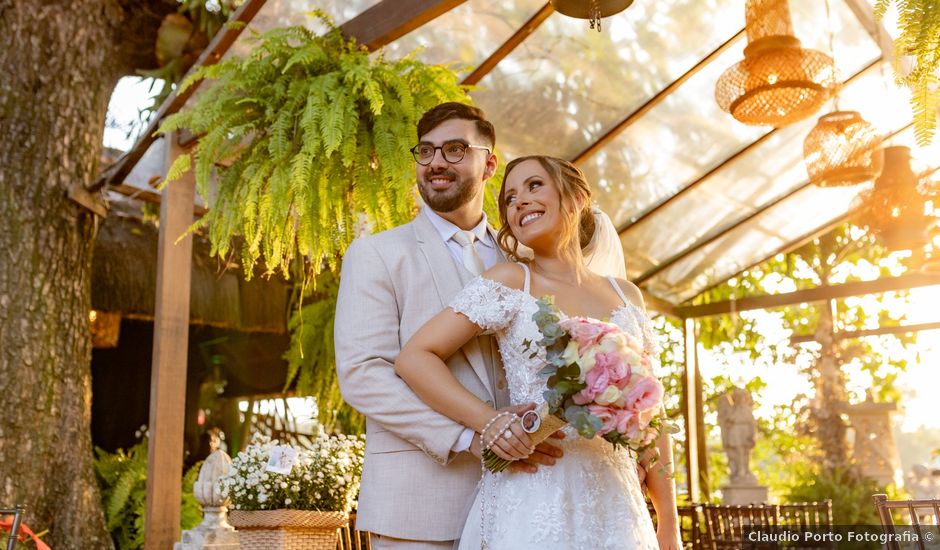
column 454, row 110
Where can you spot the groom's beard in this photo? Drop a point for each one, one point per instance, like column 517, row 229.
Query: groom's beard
column 459, row 193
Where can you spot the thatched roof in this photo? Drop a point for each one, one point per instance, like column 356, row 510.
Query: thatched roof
column 124, row 277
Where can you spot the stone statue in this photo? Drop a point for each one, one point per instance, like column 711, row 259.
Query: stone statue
column 738, row 432
column 214, row 532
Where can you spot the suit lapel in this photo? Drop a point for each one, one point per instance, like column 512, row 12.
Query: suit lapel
column 449, row 279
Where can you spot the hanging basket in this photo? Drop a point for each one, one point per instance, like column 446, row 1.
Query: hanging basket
column 287, row 529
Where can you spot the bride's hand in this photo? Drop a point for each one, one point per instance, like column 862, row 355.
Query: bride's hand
column 513, row 443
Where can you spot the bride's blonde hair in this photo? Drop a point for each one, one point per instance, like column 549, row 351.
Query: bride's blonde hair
column 574, row 191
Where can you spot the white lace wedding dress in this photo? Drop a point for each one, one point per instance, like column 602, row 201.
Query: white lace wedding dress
column 590, row 498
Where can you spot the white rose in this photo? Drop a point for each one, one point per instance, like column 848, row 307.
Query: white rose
column 608, row 396
column 570, row 355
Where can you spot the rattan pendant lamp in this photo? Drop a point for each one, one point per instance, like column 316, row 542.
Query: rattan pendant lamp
column 778, row 82
column 842, row 149
column 894, row 208
column 592, row 10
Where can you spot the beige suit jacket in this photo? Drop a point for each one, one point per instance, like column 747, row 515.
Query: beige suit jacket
column 413, row 487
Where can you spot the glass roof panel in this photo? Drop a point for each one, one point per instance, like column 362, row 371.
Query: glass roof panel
column 284, row 13
column 566, row 85
column 652, row 160
column 763, row 236
column 799, row 218
column 769, row 171
column 466, row 35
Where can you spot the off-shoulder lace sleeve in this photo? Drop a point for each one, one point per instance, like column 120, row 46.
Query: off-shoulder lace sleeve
column 487, row 303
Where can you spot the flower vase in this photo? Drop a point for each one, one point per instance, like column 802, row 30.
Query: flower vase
column 287, row 529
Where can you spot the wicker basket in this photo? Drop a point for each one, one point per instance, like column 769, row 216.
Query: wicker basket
column 287, row 529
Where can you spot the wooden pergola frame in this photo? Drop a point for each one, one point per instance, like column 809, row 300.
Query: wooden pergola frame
column 374, row 28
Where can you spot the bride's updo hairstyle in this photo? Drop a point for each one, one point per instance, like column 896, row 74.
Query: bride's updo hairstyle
column 573, row 189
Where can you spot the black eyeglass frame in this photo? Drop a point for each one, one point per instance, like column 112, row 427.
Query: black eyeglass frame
column 414, row 151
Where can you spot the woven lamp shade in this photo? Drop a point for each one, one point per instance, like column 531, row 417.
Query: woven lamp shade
column 582, row 9
column 842, row 149
column 894, row 208
column 778, row 82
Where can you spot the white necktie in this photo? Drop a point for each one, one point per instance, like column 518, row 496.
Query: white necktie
column 468, row 253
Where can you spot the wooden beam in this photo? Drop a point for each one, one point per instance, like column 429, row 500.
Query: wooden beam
column 654, row 101
column 715, row 235
column 391, row 19
column 509, row 45
column 846, row 334
column 658, row 304
column 817, row 294
column 170, row 352
column 690, row 407
column 151, row 197
column 213, row 53
column 863, row 11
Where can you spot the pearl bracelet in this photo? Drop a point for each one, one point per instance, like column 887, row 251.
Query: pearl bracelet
column 486, row 442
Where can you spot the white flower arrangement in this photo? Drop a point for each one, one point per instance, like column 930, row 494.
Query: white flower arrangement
column 324, row 477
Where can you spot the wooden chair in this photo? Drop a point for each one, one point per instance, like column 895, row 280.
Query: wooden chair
column 17, row 513
column 726, row 526
column 805, row 517
column 690, row 525
column 351, row 539
column 916, row 511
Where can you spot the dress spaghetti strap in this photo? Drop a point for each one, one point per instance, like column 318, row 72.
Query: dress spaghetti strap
column 528, row 277
column 618, row 290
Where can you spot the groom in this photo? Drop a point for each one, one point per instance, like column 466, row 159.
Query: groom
column 421, row 468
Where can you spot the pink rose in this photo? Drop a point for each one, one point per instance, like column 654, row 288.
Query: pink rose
column 617, row 369
column 597, row 380
column 646, row 394
column 607, row 416
column 627, row 423
column 586, row 332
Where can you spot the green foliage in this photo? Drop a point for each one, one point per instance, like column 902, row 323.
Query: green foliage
column 311, row 361
column 789, row 447
column 305, row 133
column 122, row 477
column 919, row 21
column 849, row 491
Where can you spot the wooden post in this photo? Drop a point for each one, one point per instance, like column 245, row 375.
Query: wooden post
column 170, row 349
column 690, row 399
column 700, row 431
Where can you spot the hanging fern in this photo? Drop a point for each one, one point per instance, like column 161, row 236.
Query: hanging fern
column 304, row 133
column 919, row 21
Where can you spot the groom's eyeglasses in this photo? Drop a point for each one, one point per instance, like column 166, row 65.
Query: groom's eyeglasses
column 453, row 151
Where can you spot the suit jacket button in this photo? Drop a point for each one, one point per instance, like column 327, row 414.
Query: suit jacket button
column 489, row 403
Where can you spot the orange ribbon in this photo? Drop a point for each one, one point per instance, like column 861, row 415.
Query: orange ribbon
column 7, row 524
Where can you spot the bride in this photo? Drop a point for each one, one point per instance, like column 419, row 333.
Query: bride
column 591, row 498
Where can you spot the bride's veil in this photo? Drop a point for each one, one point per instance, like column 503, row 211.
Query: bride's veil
column 604, row 254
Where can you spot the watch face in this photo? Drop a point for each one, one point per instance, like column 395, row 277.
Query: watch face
column 531, row 421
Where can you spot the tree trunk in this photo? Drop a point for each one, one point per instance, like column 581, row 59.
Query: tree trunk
column 59, row 63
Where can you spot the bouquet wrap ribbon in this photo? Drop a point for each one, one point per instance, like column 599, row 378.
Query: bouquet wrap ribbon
column 7, row 525
column 549, row 425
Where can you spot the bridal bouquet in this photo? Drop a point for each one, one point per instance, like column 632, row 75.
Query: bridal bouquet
column 598, row 380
